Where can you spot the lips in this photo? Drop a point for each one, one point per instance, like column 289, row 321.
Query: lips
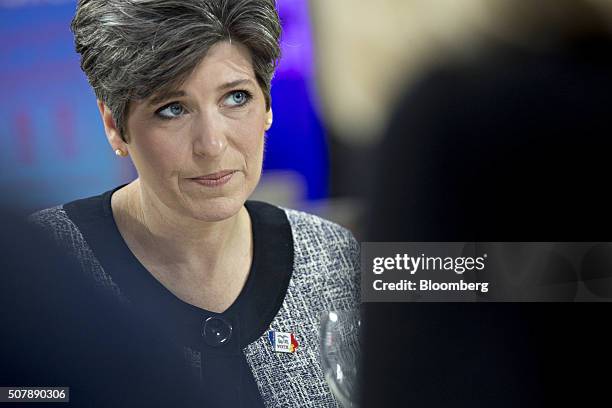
column 215, row 176
column 214, row 179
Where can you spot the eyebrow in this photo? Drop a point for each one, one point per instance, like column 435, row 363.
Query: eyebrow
column 179, row 93
column 235, row 83
column 166, row 95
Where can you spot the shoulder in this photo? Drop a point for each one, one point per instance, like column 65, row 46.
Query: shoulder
column 63, row 220
column 54, row 221
column 47, row 215
column 57, row 223
column 61, row 223
column 316, row 232
column 307, row 230
column 326, row 260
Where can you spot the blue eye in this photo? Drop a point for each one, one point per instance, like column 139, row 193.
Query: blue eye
column 171, row 111
column 238, row 98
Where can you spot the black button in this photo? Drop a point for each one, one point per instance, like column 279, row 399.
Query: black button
column 216, row 331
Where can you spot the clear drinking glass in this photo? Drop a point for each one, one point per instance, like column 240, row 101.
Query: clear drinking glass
column 340, row 353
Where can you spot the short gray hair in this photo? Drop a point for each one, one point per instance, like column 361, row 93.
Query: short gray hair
column 133, row 49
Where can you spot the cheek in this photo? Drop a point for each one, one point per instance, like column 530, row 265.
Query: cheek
column 250, row 139
column 153, row 153
column 253, row 147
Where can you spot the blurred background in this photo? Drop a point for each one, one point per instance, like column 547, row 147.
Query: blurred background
column 53, row 145
column 344, row 66
column 513, row 96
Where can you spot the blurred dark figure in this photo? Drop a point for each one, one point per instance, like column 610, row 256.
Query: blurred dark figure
column 509, row 145
column 58, row 329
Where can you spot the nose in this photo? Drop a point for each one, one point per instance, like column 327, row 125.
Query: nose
column 209, row 139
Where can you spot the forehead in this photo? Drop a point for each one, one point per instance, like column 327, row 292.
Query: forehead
column 224, row 62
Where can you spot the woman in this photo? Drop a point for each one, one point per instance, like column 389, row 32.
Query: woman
column 183, row 88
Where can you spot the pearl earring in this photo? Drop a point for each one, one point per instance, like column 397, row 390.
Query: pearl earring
column 120, row 153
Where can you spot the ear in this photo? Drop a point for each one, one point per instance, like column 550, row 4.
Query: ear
column 113, row 135
column 269, row 118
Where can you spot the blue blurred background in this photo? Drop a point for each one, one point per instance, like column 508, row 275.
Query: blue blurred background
column 53, row 143
column 344, row 66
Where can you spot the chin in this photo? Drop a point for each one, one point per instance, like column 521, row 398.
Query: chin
column 217, row 209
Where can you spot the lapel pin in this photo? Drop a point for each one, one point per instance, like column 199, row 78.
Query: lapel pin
column 282, row 342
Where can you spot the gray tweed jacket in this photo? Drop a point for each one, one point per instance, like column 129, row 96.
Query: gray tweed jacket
column 325, row 277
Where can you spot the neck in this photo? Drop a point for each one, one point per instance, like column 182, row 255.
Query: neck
column 181, row 243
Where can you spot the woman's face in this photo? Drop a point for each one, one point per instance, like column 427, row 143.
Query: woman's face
column 199, row 150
